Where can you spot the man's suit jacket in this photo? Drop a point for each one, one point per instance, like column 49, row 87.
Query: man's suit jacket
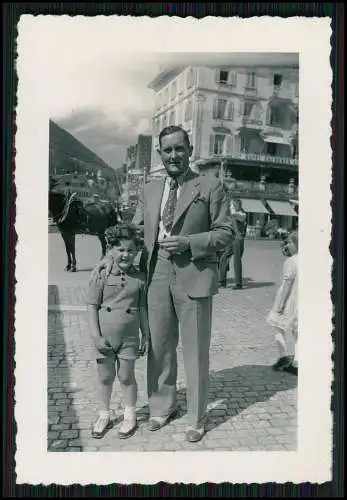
column 203, row 215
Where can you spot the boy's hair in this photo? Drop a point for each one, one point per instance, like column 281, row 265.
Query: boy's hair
column 124, row 231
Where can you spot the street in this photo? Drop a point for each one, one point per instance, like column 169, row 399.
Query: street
column 251, row 407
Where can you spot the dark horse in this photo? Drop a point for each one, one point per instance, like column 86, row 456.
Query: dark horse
column 72, row 217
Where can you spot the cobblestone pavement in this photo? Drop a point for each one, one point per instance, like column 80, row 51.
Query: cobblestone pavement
column 250, row 406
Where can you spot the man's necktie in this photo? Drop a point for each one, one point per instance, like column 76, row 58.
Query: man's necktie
column 170, row 205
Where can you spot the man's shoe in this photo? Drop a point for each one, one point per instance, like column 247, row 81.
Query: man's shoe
column 193, row 435
column 282, row 364
column 291, row 369
column 222, row 284
column 237, row 287
column 156, row 423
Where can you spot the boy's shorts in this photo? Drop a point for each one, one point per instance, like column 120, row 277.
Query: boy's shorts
column 127, row 350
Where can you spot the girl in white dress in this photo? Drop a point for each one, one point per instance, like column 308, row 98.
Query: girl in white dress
column 283, row 316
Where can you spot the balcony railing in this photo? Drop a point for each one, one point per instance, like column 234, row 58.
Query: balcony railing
column 221, row 122
column 250, row 91
column 254, row 187
column 281, row 160
column 252, row 123
column 273, row 128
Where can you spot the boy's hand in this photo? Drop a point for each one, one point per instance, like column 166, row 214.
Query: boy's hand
column 102, row 345
column 143, row 348
column 106, row 264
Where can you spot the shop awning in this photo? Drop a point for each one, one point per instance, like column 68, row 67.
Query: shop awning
column 282, row 208
column 276, row 140
column 253, row 206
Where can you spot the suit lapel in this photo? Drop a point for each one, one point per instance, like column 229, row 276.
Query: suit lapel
column 190, row 190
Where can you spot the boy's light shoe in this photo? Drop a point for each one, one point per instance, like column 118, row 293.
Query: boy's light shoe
column 128, row 428
column 103, row 423
column 129, row 424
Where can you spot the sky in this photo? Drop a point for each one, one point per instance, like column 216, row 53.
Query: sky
column 106, row 104
column 95, row 88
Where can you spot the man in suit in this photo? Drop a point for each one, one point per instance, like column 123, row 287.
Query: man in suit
column 186, row 219
column 236, row 249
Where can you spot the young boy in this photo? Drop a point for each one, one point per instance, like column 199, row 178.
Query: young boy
column 116, row 312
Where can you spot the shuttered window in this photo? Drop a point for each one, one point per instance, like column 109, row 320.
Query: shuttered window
column 219, row 108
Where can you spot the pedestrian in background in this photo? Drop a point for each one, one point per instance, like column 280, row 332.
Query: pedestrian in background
column 235, row 249
column 283, row 316
column 116, row 305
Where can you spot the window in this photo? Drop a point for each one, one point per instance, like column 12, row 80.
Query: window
column 164, row 123
column 166, row 96
column 230, row 111
column 250, row 80
column 173, row 90
column 190, row 78
column 172, row 118
column 277, row 80
column 219, row 108
column 179, row 115
column 232, row 79
column 218, row 144
column 180, row 84
column 274, row 116
column 271, row 149
column 222, row 77
column 247, row 109
column 188, row 111
column 243, row 144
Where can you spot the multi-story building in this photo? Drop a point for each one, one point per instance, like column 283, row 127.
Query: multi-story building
column 137, row 167
column 243, row 125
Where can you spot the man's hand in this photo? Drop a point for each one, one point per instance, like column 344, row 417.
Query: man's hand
column 175, row 244
column 106, row 264
column 102, row 345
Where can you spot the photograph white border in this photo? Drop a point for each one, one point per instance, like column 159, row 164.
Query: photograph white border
column 312, row 462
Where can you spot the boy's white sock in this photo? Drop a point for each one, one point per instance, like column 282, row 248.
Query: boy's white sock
column 105, row 413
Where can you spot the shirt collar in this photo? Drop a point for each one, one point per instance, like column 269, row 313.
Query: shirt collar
column 181, row 178
column 117, row 272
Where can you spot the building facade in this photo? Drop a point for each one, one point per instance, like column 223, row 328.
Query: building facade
column 136, row 169
column 243, row 125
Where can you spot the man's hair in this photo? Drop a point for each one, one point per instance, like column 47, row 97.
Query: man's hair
column 172, row 129
column 115, row 234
